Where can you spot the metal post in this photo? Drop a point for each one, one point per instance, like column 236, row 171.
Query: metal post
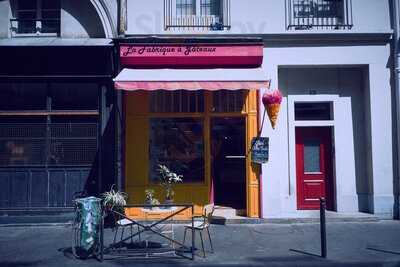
column 193, row 241
column 322, row 208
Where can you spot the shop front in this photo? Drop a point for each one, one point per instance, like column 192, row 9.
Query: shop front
column 53, row 116
column 194, row 108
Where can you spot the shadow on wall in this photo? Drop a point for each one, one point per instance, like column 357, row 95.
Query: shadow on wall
column 85, row 15
column 92, row 185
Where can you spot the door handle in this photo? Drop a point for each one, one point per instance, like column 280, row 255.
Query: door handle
column 235, row 157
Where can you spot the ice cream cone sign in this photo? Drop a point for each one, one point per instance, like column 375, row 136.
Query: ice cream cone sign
column 272, row 102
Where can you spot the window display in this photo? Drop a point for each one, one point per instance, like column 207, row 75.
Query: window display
column 177, row 143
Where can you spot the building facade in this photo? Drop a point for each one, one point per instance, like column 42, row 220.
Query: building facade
column 188, row 80
column 335, row 131
column 56, row 102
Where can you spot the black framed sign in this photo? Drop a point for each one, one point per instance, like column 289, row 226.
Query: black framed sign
column 260, row 149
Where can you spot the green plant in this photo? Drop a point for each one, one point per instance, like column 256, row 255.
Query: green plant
column 149, row 194
column 167, row 180
column 150, row 199
column 114, row 198
column 155, row 201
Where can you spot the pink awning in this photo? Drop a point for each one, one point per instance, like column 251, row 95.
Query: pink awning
column 198, row 79
column 212, row 86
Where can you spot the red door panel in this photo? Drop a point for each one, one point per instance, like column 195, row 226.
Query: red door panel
column 313, row 167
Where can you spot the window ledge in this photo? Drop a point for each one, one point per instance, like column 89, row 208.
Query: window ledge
column 16, row 35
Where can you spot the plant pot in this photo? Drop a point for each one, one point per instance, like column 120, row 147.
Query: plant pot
column 109, row 220
column 169, row 202
column 148, row 202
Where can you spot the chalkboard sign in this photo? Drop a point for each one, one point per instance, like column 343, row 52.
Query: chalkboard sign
column 260, row 149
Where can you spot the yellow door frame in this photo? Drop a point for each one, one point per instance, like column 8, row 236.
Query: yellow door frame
column 137, row 117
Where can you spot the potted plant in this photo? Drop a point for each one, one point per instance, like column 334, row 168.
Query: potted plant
column 167, row 180
column 114, row 200
column 150, row 199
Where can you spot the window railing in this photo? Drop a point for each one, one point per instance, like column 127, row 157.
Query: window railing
column 212, row 15
column 319, row 14
column 29, row 27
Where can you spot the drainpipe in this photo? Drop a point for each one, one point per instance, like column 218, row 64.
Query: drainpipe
column 396, row 59
column 122, row 15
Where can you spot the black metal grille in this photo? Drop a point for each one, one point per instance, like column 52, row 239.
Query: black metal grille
column 40, row 144
column 319, row 14
column 211, row 15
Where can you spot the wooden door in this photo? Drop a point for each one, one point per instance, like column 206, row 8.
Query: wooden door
column 314, row 167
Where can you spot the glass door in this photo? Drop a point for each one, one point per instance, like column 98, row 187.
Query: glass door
column 228, row 161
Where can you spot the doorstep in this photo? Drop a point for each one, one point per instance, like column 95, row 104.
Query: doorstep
column 301, row 217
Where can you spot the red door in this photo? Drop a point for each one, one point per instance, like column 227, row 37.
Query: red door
column 314, row 167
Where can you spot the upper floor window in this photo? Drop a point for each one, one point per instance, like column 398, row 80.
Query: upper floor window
column 185, row 8
column 197, row 14
column 319, row 14
column 36, row 17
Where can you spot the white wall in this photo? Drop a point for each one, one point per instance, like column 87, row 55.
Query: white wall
column 80, row 20
column 255, row 17
column 5, row 15
column 350, row 96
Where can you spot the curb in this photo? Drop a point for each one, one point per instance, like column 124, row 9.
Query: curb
column 35, row 225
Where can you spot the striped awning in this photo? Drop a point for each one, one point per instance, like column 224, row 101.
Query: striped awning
column 191, row 79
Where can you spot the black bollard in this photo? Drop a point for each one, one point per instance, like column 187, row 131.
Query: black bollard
column 322, row 208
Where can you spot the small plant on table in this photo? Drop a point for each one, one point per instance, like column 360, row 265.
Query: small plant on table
column 167, row 180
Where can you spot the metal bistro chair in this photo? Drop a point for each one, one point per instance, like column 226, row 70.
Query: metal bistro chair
column 201, row 224
column 122, row 223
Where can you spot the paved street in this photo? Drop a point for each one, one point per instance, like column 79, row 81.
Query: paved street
column 349, row 244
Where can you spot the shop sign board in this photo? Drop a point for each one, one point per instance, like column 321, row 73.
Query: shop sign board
column 189, row 55
column 260, row 150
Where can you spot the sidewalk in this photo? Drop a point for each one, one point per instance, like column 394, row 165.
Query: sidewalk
column 349, row 244
column 310, row 216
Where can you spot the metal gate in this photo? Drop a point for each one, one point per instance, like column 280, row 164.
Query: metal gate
column 43, row 164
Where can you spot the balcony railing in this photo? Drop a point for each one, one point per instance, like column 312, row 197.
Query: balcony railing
column 319, row 14
column 206, row 17
column 29, row 27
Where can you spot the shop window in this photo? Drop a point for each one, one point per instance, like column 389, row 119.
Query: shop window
column 179, row 144
column 307, row 111
column 22, row 96
column 72, row 141
column 22, row 141
column 74, row 96
column 228, row 101
column 177, row 101
column 36, row 17
column 34, row 141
